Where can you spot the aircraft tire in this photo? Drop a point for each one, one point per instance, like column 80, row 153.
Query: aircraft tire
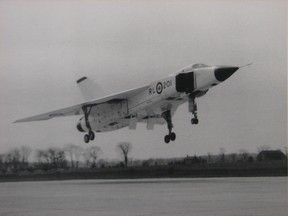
column 86, row 138
column 172, row 136
column 194, row 121
column 167, row 139
column 91, row 135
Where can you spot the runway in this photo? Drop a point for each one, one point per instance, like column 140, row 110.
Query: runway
column 182, row 197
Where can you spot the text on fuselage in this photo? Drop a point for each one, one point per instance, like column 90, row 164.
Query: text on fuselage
column 159, row 87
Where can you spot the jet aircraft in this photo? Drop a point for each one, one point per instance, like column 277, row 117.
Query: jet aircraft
column 152, row 104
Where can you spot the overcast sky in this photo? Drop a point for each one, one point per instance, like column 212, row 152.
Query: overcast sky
column 45, row 46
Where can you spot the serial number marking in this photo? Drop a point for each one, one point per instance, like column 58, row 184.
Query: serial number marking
column 159, row 87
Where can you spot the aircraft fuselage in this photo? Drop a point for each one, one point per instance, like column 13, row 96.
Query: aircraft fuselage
column 149, row 104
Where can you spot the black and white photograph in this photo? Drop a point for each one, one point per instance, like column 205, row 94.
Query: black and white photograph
column 141, row 107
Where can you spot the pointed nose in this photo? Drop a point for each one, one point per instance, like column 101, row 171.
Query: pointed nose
column 223, row 73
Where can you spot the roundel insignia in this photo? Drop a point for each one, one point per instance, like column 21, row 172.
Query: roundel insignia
column 159, row 87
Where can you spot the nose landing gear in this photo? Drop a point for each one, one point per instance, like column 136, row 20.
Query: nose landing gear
column 193, row 109
column 171, row 136
column 194, row 121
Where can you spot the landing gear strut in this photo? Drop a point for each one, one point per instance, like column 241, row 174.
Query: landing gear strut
column 171, row 136
column 193, row 109
column 90, row 135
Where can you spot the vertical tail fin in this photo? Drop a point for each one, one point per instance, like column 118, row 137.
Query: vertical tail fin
column 89, row 89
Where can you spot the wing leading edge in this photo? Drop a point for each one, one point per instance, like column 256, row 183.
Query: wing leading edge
column 77, row 109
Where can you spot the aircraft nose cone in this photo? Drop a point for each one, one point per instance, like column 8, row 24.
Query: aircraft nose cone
column 223, row 73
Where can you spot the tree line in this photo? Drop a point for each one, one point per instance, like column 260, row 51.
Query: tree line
column 72, row 156
column 52, row 158
column 15, row 159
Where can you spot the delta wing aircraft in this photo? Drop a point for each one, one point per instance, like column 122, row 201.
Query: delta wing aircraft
column 152, row 104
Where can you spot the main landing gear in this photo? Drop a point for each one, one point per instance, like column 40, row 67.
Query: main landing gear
column 193, row 109
column 171, row 136
column 90, row 135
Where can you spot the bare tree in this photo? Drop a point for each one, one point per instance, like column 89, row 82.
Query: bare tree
column 233, row 157
column 25, row 152
column 3, row 163
column 78, row 150
column 11, row 160
column 51, row 158
column 243, row 153
column 56, row 157
column 8, row 158
column 124, row 148
column 222, row 154
column 92, row 153
column 209, row 158
column 14, row 157
column 74, row 153
column 86, row 155
column 69, row 148
column 42, row 156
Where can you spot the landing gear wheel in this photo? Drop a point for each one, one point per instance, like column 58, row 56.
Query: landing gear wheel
column 172, row 136
column 167, row 139
column 91, row 135
column 86, row 138
column 193, row 109
column 194, row 121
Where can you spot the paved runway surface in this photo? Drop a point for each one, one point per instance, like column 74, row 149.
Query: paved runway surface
column 182, row 197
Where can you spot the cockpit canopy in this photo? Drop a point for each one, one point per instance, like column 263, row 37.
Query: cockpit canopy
column 192, row 67
column 199, row 65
